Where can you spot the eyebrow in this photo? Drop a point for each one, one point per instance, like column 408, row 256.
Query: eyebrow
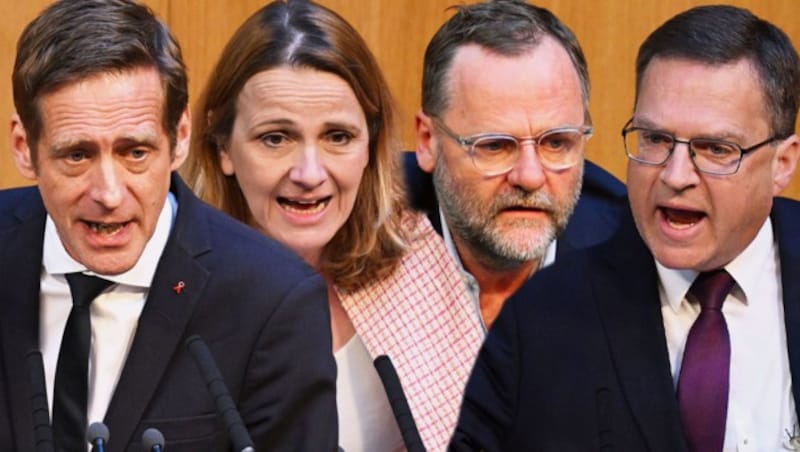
column 346, row 125
column 148, row 140
column 727, row 135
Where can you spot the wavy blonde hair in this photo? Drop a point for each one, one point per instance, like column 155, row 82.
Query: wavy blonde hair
column 300, row 33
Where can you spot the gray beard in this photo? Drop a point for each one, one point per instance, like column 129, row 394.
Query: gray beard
column 512, row 243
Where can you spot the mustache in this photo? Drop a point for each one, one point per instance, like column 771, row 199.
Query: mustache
column 522, row 199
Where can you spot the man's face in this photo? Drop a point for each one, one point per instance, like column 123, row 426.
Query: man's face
column 692, row 220
column 103, row 165
column 511, row 218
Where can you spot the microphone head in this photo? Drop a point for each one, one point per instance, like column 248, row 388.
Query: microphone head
column 96, row 431
column 152, row 438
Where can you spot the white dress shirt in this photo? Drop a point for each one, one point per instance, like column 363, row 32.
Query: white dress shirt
column 761, row 411
column 114, row 313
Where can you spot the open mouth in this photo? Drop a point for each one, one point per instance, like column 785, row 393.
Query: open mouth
column 106, row 229
column 304, row 206
column 682, row 219
column 522, row 209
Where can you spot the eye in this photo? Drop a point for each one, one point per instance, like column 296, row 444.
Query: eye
column 340, row 137
column 76, row 156
column 653, row 138
column 716, row 149
column 559, row 141
column 495, row 145
column 274, row 139
column 137, row 154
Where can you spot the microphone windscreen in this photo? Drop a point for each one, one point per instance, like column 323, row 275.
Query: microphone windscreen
column 399, row 403
column 226, row 409
column 96, row 431
column 151, row 438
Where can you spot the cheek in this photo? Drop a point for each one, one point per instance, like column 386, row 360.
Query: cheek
column 349, row 172
column 564, row 184
column 638, row 192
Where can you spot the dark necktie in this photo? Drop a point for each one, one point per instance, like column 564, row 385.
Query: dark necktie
column 703, row 382
column 71, row 386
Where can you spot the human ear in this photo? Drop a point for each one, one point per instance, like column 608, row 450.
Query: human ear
column 20, row 149
column 426, row 142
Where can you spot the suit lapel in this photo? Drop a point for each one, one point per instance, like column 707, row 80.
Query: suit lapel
column 164, row 319
column 785, row 218
column 21, row 267
column 627, row 294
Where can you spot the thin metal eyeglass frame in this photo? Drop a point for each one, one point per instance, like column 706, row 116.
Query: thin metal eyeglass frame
column 742, row 151
column 467, row 143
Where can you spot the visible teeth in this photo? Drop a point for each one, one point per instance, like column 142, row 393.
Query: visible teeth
column 679, row 225
column 106, row 228
column 682, row 219
column 305, row 207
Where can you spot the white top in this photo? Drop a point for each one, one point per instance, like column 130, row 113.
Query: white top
column 114, row 313
column 761, row 411
column 366, row 422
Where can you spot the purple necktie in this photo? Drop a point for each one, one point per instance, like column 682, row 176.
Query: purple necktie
column 703, row 382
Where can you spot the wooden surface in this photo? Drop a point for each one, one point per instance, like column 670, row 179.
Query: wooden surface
column 397, row 31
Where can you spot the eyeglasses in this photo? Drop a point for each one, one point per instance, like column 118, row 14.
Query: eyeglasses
column 494, row 154
column 654, row 147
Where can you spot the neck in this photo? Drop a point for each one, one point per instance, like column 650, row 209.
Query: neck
column 496, row 282
column 342, row 329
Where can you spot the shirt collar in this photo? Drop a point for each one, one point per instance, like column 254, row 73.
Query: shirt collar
column 56, row 260
column 675, row 283
column 472, row 284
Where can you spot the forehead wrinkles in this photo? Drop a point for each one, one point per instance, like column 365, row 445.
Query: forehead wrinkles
column 89, row 109
column 297, row 90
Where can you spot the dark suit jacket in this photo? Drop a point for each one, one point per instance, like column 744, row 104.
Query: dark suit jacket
column 577, row 359
column 261, row 311
column 595, row 218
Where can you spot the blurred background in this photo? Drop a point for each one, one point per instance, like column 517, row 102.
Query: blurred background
column 397, row 31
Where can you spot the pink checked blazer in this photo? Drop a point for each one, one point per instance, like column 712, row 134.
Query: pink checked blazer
column 422, row 317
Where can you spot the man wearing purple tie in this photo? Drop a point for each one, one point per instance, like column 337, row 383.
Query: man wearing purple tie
column 682, row 332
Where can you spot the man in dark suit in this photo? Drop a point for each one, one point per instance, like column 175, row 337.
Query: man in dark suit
column 682, row 331
column 101, row 125
column 500, row 147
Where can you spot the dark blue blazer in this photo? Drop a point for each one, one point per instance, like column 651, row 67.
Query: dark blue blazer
column 595, row 218
column 577, row 359
column 262, row 312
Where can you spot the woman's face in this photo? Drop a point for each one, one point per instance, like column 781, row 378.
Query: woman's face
column 298, row 149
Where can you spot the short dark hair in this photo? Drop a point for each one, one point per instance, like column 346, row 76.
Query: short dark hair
column 718, row 35
column 72, row 40
column 505, row 27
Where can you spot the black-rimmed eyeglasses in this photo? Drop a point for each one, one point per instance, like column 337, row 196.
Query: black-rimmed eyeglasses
column 494, row 154
column 710, row 156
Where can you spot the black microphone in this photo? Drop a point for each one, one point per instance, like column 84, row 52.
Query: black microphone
column 399, row 404
column 97, row 436
column 42, row 431
column 153, row 440
column 226, row 409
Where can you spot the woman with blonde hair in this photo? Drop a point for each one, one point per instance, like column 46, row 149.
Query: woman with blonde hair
column 295, row 135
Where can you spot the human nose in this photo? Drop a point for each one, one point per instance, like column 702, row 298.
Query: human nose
column 680, row 172
column 308, row 169
column 107, row 185
column 527, row 172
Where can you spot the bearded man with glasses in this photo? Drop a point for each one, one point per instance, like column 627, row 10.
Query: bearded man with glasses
column 503, row 131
